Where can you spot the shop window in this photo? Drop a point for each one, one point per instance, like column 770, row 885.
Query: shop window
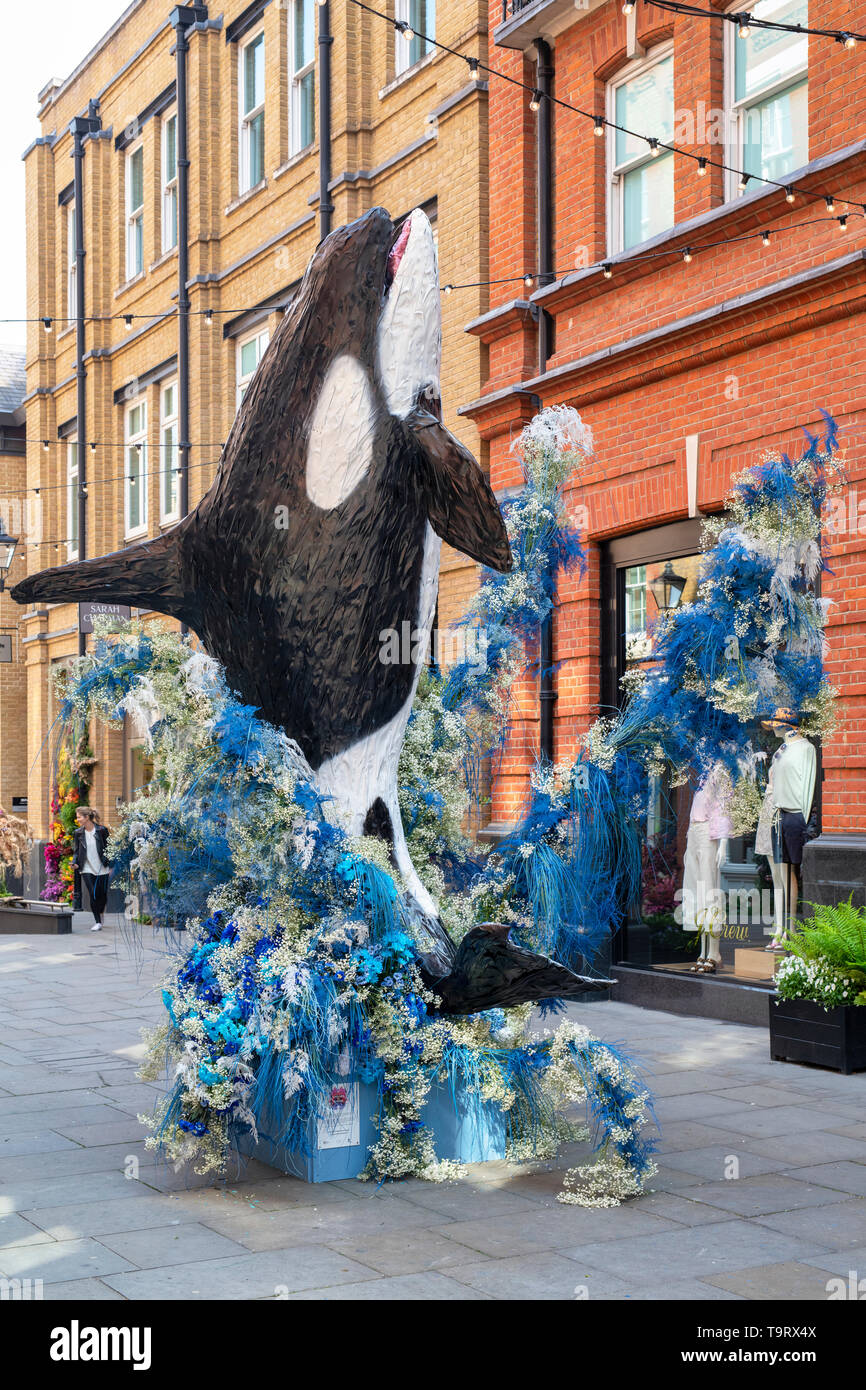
column 767, row 76
column 135, row 477
column 302, row 66
column 643, row 575
column 420, row 16
column 641, row 190
column 251, row 105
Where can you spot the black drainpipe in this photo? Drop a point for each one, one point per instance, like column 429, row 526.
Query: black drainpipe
column 79, row 127
column 182, row 16
column 544, row 161
column 326, row 207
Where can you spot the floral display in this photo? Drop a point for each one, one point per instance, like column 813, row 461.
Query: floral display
column 15, row 841
column 751, row 642
column 826, row 958
column 74, row 775
column 300, row 970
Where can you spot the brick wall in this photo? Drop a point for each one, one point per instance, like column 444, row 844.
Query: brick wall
column 740, row 347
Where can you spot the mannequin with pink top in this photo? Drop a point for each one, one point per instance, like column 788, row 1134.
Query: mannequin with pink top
column 706, row 851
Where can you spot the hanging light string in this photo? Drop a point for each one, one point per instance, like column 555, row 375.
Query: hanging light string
column 84, row 488
column 746, row 22
column 685, row 253
column 600, row 122
column 842, row 220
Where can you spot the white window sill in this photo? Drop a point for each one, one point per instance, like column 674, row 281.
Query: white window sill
column 167, row 521
column 135, row 535
column 166, row 256
column 245, row 197
column 294, row 160
column 407, row 74
column 128, row 284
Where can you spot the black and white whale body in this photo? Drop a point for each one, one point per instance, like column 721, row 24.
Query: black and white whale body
column 321, row 534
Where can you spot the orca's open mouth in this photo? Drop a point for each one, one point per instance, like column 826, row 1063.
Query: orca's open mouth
column 395, row 255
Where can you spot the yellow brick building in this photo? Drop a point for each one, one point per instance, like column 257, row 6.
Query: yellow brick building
column 14, row 509
column 408, row 128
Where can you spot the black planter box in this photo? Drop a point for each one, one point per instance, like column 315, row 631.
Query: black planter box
column 802, row 1031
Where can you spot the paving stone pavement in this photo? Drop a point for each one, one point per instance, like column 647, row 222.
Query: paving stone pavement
column 759, row 1195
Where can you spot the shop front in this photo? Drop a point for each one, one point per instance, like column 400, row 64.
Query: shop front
column 729, row 886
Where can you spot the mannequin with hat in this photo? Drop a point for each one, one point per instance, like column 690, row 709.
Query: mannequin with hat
column 788, row 817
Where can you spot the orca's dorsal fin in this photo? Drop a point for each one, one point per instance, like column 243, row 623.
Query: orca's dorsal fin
column 461, row 507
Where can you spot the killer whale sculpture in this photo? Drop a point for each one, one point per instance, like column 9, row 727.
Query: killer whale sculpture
column 320, row 534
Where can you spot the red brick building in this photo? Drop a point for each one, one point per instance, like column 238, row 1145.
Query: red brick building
column 685, row 369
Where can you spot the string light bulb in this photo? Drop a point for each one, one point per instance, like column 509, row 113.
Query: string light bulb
column 45, row 445
column 765, row 238
column 831, row 206
column 127, row 319
column 473, row 66
column 607, row 270
column 847, row 40
column 528, row 281
column 653, row 143
column 46, row 324
column 447, row 289
column 208, row 315
column 535, row 100
column 789, row 193
column 744, row 25
column 598, row 125
column 406, row 30
column 702, row 166
column 843, row 223
column 744, row 182
column 687, row 255
column 628, row 7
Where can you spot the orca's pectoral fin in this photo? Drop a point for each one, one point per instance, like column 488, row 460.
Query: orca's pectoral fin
column 490, row 971
column 146, row 575
column 461, row 507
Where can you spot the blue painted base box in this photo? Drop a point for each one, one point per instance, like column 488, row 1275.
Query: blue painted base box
column 464, row 1128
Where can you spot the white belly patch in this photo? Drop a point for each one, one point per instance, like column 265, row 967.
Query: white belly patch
column 340, row 449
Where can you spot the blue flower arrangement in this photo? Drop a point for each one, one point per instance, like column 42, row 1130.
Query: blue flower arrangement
column 300, row 967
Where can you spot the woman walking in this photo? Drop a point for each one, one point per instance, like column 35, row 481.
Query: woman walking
column 91, row 860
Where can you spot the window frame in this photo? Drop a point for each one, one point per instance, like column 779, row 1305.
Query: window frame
column 403, row 60
column 246, row 118
column 168, row 187
column 73, row 540
column 296, row 80
column 131, row 441
column 614, row 173
column 242, row 383
column 735, row 109
column 134, row 215
column 71, row 262
column 169, row 459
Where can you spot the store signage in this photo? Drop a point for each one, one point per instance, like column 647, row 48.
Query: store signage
column 88, row 611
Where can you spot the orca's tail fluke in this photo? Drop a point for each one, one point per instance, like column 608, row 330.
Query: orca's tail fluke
column 489, row 971
column 146, row 575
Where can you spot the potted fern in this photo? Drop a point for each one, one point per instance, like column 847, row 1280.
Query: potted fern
column 818, row 1014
